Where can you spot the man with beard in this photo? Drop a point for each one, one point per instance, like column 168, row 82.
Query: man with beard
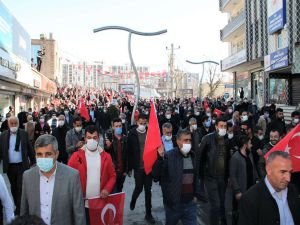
column 274, row 139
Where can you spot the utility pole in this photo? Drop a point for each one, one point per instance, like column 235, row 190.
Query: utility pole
column 171, row 69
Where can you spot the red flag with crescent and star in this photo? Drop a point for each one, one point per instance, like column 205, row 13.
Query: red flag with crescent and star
column 290, row 144
column 108, row 211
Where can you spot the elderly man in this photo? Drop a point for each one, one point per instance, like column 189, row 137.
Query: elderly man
column 273, row 200
column 17, row 156
column 167, row 138
column 52, row 190
column 60, row 133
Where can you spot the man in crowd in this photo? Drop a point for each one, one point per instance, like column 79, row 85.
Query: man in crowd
column 212, row 161
column 74, row 137
column 169, row 118
column 6, row 203
column 117, row 148
column 277, row 123
column 273, row 200
column 175, row 170
column 96, row 169
column 136, row 145
column 4, row 125
column 60, row 133
column 17, row 156
column 52, row 190
column 167, row 137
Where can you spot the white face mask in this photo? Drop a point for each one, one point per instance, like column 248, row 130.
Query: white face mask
column 42, row 120
column 168, row 116
column 92, row 145
column 261, row 137
column 31, row 121
column 296, row 121
column 222, row 132
column 186, row 148
column 194, row 127
column 168, row 138
column 230, row 110
column 208, row 114
column 230, row 136
column 13, row 129
column 60, row 123
column 78, row 129
column 123, row 121
column 244, row 118
column 197, row 113
column 141, row 128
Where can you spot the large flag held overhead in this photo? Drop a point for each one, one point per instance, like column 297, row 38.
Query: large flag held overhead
column 290, row 143
column 153, row 141
column 83, row 110
column 108, row 211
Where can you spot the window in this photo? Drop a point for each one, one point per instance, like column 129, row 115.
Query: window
column 279, row 40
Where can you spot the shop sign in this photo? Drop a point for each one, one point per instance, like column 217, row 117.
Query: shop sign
column 36, row 83
column 277, row 60
column 234, row 60
column 276, row 15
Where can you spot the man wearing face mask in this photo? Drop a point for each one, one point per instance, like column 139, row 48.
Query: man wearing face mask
column 168, row 139
column 117, row 148
column 69, row 118
column 212, row 162
column 60, row 132
column 175, row 170
column 274, row 138
column 41, row 127
column 17, row 156
column 169, row 118
column 136, row 145
column 205, row 127
column 96, row 169
column 74, row 137
column 52, row 190
column 264, row 120
column 295, row 121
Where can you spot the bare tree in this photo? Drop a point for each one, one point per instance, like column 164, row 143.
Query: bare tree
column 178, row 78
column 214, row 79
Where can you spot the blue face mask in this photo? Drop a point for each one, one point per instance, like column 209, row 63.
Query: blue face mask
column 118, row 130
column 207, row 123
column 45, row 164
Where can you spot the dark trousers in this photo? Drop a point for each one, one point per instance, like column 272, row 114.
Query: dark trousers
column 186, row 212
column 216, row 188
column 87, row 216
column 143, row 181
column 119, row 183
column 15, row 176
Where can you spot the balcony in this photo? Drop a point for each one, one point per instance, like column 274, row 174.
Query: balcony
column 228, row 5
column 234, row 28
column 233, row 60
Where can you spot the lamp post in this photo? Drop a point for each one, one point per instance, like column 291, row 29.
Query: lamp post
column 130, row 31
column 200, row 81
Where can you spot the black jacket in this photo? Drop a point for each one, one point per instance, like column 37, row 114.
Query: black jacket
column 28, row 157
column 206, row 156
column 168, row 171
column 134, row 152
column 276, row 124
column 60, row 134
column 258, row 207
column 113, row 152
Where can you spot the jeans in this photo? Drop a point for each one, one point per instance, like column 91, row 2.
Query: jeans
column 216, row 188
column 186, row 212
column 143, row 181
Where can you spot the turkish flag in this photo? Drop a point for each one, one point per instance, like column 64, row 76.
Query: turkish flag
column 108, row 211
column 83, row 110
column 290, row 144
column 153, row 141
column 217, row 112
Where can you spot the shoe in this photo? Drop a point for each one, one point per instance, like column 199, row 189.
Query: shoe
column 132, row 204
column 149, row 218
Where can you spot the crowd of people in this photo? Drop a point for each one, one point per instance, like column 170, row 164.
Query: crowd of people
column 82, row 145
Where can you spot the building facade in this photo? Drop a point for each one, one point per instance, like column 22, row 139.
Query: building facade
column 267, row 64
column 20, row 86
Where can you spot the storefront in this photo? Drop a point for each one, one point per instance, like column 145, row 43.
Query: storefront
column 242, row 80
column 257, row 87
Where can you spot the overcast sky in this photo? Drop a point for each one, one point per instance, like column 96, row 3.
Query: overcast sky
column 194, row 25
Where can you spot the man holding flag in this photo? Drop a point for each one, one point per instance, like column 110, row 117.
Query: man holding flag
column 142, row 147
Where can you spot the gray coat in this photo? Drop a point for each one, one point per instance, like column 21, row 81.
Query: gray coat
column 238, row 173
column 72, row 138
column 67, row 202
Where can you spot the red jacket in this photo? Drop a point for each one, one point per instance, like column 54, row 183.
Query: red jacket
column 108, row 174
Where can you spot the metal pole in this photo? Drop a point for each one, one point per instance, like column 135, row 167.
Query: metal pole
column 200, row 85
column 137, row 96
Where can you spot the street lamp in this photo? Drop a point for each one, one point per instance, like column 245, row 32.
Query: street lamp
column 200, row 83
column 130, row 31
